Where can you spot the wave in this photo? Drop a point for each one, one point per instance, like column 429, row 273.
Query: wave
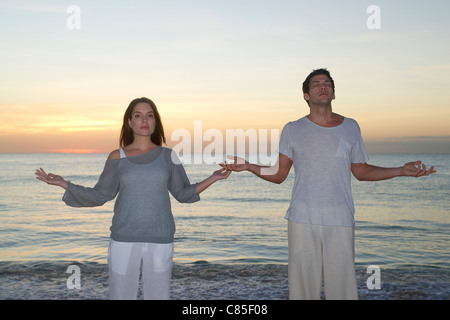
column 251, row 199
column 202, row 280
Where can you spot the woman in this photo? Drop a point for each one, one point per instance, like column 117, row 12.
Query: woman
column 140, row 173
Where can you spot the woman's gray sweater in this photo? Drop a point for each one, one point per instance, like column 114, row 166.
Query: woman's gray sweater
column 142, row 212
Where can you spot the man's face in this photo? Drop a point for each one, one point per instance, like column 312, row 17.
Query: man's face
column 320, row 91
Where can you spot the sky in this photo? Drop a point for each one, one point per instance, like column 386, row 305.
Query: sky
column 69, row 69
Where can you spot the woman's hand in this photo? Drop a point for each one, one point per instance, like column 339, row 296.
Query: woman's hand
column 221, row 174
column 51, row 178
column 216, row 176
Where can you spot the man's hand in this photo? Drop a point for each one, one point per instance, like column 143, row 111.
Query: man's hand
column 367, row 172
column 276, row 173
column 238, row 165
column 416, row 169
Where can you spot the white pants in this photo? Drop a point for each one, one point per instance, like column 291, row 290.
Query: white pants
column 126, row 260
column 319, row 253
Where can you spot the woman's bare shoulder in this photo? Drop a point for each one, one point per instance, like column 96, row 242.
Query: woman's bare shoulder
column 114, row 155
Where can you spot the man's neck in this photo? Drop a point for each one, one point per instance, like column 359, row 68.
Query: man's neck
column 324, row 116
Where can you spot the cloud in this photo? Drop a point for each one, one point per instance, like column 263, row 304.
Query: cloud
column 36, row 8
column 412, row 144
column 421, row 138
column 38, row 118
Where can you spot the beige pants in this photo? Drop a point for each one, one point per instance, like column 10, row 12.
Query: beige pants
column 319, row 253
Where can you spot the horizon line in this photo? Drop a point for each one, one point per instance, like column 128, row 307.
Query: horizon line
column 217, row 154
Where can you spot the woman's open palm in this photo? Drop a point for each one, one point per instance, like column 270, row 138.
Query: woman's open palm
column 50, row 178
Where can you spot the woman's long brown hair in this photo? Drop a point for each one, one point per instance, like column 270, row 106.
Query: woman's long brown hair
column 126, row 134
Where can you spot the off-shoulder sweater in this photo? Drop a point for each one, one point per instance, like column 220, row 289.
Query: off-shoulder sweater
column 142, row 211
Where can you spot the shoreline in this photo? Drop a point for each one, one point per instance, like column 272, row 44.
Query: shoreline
column 48, row 280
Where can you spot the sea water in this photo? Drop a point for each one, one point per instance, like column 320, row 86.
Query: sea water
column 230, row 245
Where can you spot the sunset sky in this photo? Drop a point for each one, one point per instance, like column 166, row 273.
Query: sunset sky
column 67, row 76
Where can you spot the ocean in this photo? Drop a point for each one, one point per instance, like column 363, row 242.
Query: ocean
column 232, row 244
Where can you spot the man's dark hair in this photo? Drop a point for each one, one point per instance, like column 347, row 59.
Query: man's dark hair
column 315, row 73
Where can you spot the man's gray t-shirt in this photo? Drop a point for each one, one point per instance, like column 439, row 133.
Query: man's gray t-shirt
column 322, row 158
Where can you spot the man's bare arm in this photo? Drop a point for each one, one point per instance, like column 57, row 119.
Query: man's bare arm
column 367, row 172
column 276, row 174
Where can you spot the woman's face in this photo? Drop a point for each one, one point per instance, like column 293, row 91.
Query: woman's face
column 142, row 120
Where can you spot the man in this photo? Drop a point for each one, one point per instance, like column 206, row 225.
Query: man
column 325, row 149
